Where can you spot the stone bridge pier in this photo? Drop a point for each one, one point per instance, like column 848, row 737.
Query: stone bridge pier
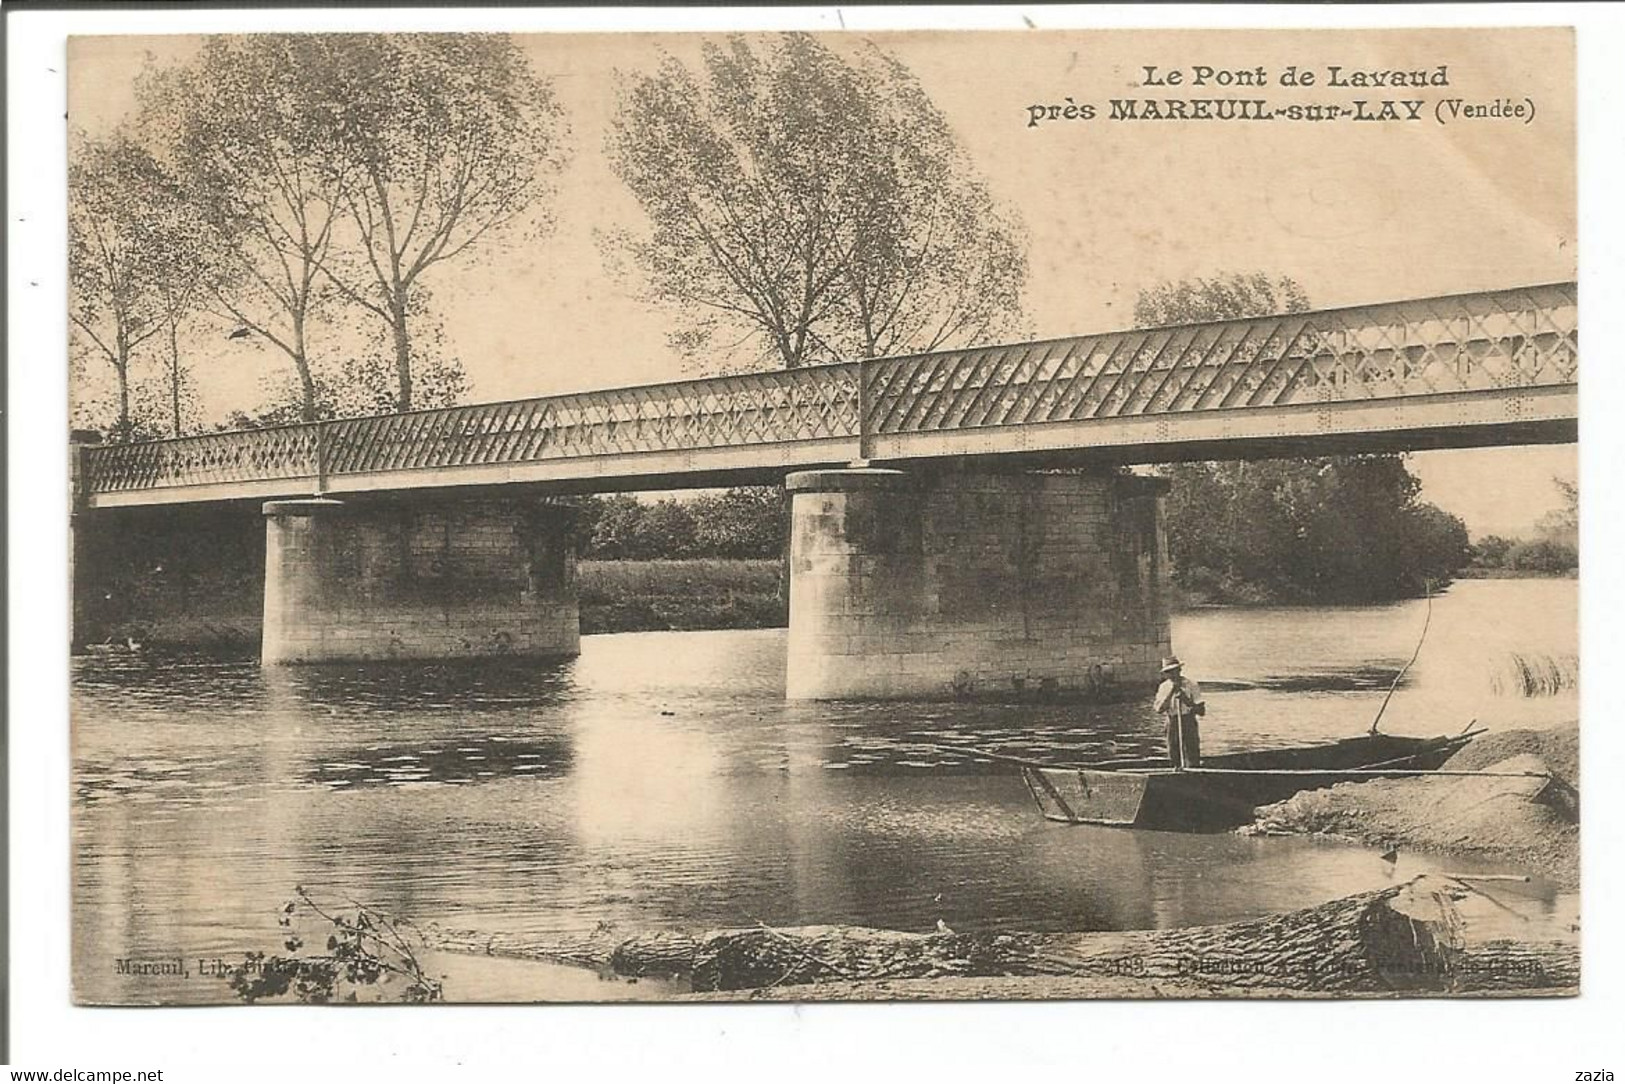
column 418, row 579
column 957, row 584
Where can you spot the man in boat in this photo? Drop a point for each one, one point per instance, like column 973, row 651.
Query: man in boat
column 1180, row 699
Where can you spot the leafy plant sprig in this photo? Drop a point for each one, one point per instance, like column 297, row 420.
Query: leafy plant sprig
column 364, row 951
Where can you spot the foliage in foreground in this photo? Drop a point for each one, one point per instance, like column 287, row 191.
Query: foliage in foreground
column 366, row 956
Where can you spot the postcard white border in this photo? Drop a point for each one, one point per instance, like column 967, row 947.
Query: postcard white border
column 1481, row 1040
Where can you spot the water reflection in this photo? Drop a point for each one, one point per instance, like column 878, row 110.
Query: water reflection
column 463, row 760
column 660, row 780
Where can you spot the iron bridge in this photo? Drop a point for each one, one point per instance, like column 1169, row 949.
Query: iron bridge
column 1498, row 367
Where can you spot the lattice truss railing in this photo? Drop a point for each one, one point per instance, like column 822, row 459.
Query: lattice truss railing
column 1508, row 339
column 1470, row 342
column 755, row 408
column 251, row 455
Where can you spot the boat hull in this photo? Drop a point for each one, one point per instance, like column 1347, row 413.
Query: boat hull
column 1224, row 792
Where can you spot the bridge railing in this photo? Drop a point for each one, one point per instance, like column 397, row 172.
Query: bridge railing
column 250, row 455
column 1525, row 337
column 1469, row 342
column 728, row 411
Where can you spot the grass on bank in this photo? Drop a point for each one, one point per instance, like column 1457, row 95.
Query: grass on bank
column 659, row 595
column 1534, row 674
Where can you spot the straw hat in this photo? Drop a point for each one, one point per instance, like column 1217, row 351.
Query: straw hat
column 1170, row 663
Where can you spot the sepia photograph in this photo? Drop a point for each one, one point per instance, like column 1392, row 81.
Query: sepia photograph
column 933, row 515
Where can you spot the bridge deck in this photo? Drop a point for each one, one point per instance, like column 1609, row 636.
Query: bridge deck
column 1466, row 369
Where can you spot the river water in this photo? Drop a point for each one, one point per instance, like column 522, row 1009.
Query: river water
column 660, row 781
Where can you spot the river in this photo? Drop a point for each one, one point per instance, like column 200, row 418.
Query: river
column 660, row 781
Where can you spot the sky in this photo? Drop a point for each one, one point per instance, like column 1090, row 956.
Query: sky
column 1354, row 212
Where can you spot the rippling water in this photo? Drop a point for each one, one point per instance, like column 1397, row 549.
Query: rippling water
column 660, row 781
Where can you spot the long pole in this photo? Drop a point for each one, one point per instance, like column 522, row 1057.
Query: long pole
column 1025, row 762
column 1428, row 589
column 1177, row 740
column 1385, row 773
column 1376, row 773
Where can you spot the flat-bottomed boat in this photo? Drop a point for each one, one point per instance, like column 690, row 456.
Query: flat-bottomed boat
column 1224, row 791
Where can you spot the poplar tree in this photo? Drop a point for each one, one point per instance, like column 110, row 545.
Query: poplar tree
column 811, row 202
column 445, row 141
column 251, row 126
column 114, row 247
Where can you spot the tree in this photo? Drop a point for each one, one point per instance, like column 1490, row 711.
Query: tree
column 178, row 298
column 359, row 382
column 1438, row 541
column 183, row 266
column 1543, row 555
column 320, row 163
column 252, row 125
column 364, row 381
column 112, row 252
column 444, row 139
column 616, row 524
column 666, row 530
column 1367, row 537
column 815, row 203
column 1252, row 532
column 742, row 522
column 1339, row 528
column 1491, row 551
column 161, row 260
column 1562, row 524
column 1223, row 297
column 1555, row 547
column 621, row 527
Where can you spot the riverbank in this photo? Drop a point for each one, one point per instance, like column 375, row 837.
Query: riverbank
column 655, row 595
column 1527, row 821
column 1420, row 937
column 1415, row 938
column 1474, row 573
column 661, row 595
column 679, row 595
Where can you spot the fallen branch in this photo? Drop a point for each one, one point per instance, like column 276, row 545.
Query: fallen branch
column 1407, row 938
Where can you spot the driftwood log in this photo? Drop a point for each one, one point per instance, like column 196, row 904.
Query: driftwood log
column 1408, row 938
column 665, row 955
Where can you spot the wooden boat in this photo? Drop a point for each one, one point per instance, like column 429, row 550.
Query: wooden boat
column 1223, row 792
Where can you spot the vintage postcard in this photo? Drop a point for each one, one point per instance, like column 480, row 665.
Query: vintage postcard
column 824, row 516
